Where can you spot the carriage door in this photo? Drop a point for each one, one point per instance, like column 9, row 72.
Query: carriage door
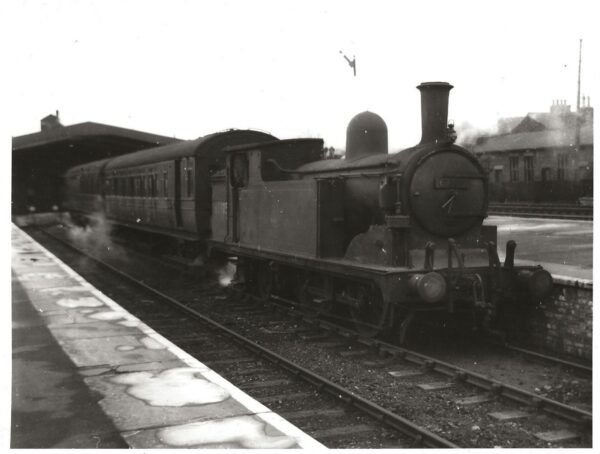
column 238, row 179
column 202, row 195
column 178, row 219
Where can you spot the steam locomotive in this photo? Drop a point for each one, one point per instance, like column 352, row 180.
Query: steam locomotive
column 375, row 238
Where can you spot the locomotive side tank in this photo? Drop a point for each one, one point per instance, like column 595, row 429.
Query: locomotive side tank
column 382, row 236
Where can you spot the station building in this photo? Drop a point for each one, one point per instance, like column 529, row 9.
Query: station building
column 40, row 159
column 541, row 157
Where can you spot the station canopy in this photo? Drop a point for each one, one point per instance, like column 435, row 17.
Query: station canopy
column 39, row 159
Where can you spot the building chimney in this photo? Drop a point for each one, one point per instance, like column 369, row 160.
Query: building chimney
column 50, row 122
column 434, row 110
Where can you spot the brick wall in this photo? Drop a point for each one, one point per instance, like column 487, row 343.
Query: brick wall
column 562, row 325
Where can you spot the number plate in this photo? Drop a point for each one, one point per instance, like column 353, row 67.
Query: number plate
column 451, row 183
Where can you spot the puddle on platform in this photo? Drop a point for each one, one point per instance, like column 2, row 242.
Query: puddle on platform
column 172, row 388
column 238, row 432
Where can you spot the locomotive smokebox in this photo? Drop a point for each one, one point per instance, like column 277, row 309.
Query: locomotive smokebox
column 366, row 135
column 434, row 110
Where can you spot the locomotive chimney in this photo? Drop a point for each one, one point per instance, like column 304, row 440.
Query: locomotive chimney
column 434, row 110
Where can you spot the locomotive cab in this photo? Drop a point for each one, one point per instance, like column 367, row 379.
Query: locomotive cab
column 271, row 161
column 269, row 208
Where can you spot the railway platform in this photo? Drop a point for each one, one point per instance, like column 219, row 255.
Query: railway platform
column 87, row 374
column 563, row 246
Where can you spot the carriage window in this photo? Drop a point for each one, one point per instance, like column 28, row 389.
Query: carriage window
column 165, row 184
column 239, row 171
column 189, row 178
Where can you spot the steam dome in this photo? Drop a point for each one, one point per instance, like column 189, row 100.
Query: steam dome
column 366, row 135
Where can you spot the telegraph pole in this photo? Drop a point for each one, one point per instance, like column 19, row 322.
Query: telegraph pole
column 577, row 118
column 579, row 79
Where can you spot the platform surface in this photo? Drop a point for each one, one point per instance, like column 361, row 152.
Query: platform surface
column 87, row 374
column 562, row 246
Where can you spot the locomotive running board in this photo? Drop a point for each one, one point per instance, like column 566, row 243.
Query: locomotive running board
column 335, row 266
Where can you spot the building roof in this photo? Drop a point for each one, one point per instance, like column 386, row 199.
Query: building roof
column 528, row 124
column 506, row 125
column 215, row 141
column 534, row 140
column 557, row 118
column 86, row 131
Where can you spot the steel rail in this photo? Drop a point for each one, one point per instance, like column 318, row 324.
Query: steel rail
column 573, row 365
column 496, row 387
column 420, row 436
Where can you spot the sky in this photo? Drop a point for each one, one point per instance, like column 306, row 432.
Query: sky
column 188, row 68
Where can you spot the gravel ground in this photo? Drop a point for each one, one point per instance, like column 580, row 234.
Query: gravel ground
column 468, row 426
column 548, row 380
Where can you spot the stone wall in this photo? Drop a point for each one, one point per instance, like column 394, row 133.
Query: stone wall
column 561, row 325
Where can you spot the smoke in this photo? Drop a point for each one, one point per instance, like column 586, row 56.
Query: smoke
column 226, row 274
column 468, row 134
column 95, row 236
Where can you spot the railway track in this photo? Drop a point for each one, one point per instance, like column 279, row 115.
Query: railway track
column 532, row 210
column 398, row 366
column 431, row 375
